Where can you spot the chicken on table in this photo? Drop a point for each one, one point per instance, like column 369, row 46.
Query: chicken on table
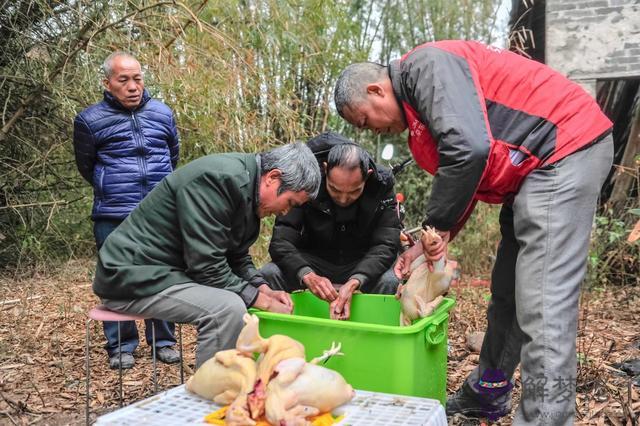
column 280, row 385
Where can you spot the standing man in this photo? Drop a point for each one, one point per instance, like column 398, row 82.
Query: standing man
column 348, row 236
column 497, row 127
column 183, row 253
column 124, row 146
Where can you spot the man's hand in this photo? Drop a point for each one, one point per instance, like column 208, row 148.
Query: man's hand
column 320, row 286
column 340, row 309
column 280, row 296
column 403, row 264
column 399, row 291
column 268, row 303
column 434, row 252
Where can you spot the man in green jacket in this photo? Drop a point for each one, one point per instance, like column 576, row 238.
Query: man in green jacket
column 183, row 254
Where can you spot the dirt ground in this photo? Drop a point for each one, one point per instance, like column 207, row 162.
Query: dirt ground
column 42, row 352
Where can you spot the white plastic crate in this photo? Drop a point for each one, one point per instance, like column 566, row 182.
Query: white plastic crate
column 179, row 407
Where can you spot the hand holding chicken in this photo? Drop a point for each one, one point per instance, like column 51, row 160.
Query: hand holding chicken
column 425, row 288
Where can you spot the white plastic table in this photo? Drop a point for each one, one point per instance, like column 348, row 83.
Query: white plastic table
column 179, row 407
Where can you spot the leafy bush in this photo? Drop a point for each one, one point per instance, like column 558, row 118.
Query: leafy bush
column 612, row 259
column 240, row 76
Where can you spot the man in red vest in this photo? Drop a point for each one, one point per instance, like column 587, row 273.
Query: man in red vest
column 493, row 126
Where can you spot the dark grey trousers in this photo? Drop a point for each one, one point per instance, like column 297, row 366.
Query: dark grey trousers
column 216, row 313
column 535, row 285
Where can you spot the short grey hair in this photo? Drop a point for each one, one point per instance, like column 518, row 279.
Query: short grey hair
column 299, row 168
column 351, row 85
column 349, row 156
column 107, row 65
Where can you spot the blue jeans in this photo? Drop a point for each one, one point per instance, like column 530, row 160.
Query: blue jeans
column 128, row 330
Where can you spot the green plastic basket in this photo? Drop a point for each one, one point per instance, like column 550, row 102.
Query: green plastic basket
column 379, row 355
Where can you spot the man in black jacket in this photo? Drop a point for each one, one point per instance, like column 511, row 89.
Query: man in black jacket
column 347, row 238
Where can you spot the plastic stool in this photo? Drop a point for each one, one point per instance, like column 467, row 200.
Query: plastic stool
column 102, row 313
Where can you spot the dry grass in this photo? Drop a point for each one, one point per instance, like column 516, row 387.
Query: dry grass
column 42, row 370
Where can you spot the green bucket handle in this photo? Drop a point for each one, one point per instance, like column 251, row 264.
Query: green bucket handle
column 435, row 332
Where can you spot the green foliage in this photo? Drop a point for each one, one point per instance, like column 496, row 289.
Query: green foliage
column 240, row 75
column 612, row 259
column 475, row 246
column 260, row 250
column 50, row 54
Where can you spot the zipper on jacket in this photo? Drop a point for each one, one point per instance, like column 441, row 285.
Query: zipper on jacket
column 142, row 161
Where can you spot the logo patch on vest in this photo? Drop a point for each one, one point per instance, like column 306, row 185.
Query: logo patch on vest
column 417, row 128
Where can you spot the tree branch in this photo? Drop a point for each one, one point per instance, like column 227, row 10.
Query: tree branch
column 78, row 44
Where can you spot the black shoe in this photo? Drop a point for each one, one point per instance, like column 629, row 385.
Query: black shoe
column 168, row 355
column 127, row 361
column 470, row 404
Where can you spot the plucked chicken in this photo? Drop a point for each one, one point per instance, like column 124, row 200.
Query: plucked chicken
column 281, row 384
column 301, row 389
column 225, row 376
column 424, row 290
column 272, row 350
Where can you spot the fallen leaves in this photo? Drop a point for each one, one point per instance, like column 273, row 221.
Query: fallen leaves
column 474, row 341
column 11, row 366
column 608, row 335
column 42, row 352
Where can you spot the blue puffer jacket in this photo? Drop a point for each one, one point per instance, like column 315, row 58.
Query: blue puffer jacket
column 124, row 153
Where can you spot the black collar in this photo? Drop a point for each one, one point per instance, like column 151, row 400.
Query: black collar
column 394, row 75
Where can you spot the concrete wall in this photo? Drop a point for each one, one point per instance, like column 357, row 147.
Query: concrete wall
column 593, row 39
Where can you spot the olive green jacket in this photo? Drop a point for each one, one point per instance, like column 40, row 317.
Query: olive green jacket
column 195, row 226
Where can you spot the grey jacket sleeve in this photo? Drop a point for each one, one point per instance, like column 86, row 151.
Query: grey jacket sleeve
column 440, row 87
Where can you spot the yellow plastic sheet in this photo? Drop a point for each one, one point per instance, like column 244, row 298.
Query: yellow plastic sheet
column 326, row 419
